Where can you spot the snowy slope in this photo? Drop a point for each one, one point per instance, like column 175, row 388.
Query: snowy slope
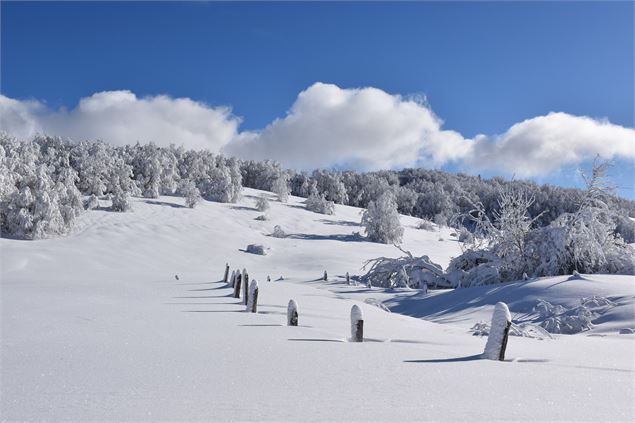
column 96, row 326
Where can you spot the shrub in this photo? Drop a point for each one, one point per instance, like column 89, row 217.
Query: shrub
column 319, row 204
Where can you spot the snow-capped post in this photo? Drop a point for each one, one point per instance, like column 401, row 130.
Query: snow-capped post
column 232, row 279
column 525, row 277
column 292, row 313
column 245, row 286
column 369, row 285
column 325, row 278
column 348, row 279
column 225, row 278
column 252, row 304
column 239, row 278
column 357, row 324
column 498, row 333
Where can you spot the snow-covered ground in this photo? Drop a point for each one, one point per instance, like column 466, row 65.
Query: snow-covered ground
column 96, row 326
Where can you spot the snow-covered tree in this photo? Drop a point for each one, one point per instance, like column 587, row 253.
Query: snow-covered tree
column 188, row 190
column 281, row 188
column 278, row 232
column 318, row 204
column 222, row 183
column 121, row 201
column 329, row 184
column 262, row 203
column 91, row 202
column 381, row 220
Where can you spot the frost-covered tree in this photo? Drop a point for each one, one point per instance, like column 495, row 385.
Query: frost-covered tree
column 262, row 203
column 329, row 183
column 222, row 183
column 91, row 202
column 318, row 204
column 121, row 201
column 188, row 190
column 278, row 232
column 281, row 188
column 381, row 220
column 147, row 169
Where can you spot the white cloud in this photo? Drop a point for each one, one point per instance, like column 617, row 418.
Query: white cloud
column 544, row 144
column 363, row 128
column 120, row 117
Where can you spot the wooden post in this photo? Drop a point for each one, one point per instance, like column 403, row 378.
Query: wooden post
column 292, row 313
column 245, row 286
column 252, row 305
column 239, row 278
column 225, row 278
column 348, row 279
column 498, row 333
column 325, row 276
column 232, row 279
column 268, row 278
column 357, row 324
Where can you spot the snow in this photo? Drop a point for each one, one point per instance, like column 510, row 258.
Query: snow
column 95, row 327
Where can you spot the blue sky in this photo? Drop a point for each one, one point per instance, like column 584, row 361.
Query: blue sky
column 482, row 67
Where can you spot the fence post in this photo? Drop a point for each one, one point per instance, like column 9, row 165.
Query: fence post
column 226, row 273
column 237, row 285
column 292, row 313
column 498, row 333
column 348, row 279
column 252, row 305
column 357, row 324
column 245, row 286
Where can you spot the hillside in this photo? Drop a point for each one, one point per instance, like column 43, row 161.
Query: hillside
column 126, row 319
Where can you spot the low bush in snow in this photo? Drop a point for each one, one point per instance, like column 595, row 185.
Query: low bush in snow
column 91, row 202
column 262, row 203
column 560, row 319
column 404, row 272
column 256, row 249
column 278, row 232
column 121, row 201
column 318, row 204
column 188, row 189
column 426, row 225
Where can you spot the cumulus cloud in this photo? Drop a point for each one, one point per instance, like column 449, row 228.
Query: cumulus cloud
column 358, row 128
column 363, row 128
column 544, row 144
column 120, row 117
